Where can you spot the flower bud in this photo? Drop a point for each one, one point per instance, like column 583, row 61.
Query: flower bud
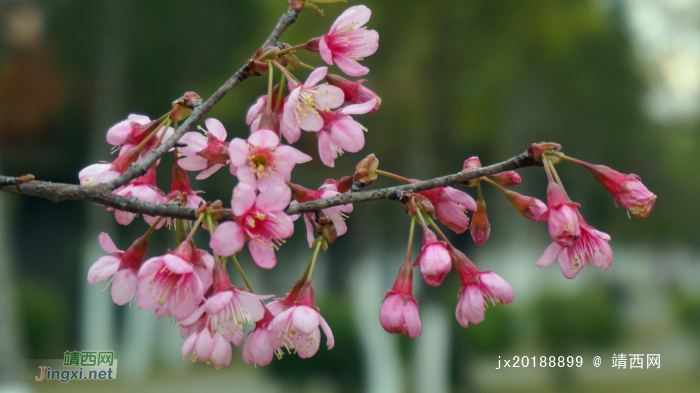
column 480, row 228
column 366, row 170
column 535, row 151
column 471, row 164
column 507, row 178
column 183, row 106
column 434, row 260
column 531, row 208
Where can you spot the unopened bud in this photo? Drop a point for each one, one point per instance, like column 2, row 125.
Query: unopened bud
column 469, row 165
column 367, row 169
column 183, row 106
column 507, row 178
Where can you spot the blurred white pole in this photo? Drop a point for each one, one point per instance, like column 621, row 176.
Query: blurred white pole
column 383, row 366
column 97, row 316
column 433, row 355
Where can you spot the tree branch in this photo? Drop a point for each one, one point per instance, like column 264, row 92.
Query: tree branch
column 140, row 168
column 59, row 192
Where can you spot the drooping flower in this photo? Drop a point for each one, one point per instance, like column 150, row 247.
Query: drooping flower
column 340, row 132
column 355, row 92
column 123, row 265
column 221, row 316
column 261, row 161
column 258, row 111
column 144, row 188
column 207, row 154
column 562, row 221
column 259, row 219
column 175, row 283
column 478, row 289
column 335, row 213
column 262, row 343
column 399, row 312
column 130, row 133
column 305, row 101
column 434, row 260
column 450, row 205
column 627, row 189
column 591, row 248
column 296, row 322
column 347, row 41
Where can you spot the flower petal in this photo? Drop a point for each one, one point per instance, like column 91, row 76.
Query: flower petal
column 550, row 254
column 216, row 128
column 243, row 199
column 107, row 244
column 228, row 239
column 102, row 269
column 124, row 287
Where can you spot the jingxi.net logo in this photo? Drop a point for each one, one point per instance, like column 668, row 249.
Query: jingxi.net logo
column 75, row 366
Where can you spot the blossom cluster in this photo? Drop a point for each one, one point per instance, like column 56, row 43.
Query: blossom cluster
column 193, row 286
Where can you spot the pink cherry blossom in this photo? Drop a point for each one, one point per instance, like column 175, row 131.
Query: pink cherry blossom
column 434, row 260
column 563, row 219
column 175, row 283
column 261, row 161
column 305, row 101
column 256, row 112
column 296, row 322
column 207, row 154
column 104, row 172
column 591, row 248
column 335, row 213
column 123, row 265
column 129, row 133
column 450, row 205
column 262, row 343
column 340, row 132
column 355, row 92
column 221, row 315
column 347, row 41
column 627, row 189
column 399, row 311
column 478, row 289
column 144, row 188
column 260, row 220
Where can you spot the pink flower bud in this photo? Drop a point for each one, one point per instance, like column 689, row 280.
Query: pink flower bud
column 480, row 228
column 531, row 208
column 355, row 92
column 399, row 315
column 434, row 260
column 507, row 178
column 471, row 164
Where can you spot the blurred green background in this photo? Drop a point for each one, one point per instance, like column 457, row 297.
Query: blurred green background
column 615, row 82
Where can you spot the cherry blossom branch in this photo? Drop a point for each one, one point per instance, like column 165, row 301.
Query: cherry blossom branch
column 140, row 168
column 59, row 192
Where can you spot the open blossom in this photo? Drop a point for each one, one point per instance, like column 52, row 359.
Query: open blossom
column 123, row 265
column 207, row 154
column 591, row 248
column 335, row 213
column 259, row 219
column 104, row 172
column 261, row 161
column 219, row 320
column 434, row 260
column 340, row 132
column 399, row 312
column 129, row 133
column 355, row 92
column 478, row 289
column 305, row 101
column 296, row 322
column 262, row 343
column 175, row 283
column 347, row 41
column 563, row 219
column 627, row 189
column 144, row 188
column 450, row 205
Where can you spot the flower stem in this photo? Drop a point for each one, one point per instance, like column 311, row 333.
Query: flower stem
column 152, row 228
column 160, row 138
column 308, row 67
column 493, row 183
column 312, row 264
column 178, row 231
column 152, row 134
column 270, row 82
column 195, row 226
column 240, row 270
column 285, row 72
column 280, row 93
column 393, row 176
column 437, row 229
column 293, row 48
column 410, row 237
